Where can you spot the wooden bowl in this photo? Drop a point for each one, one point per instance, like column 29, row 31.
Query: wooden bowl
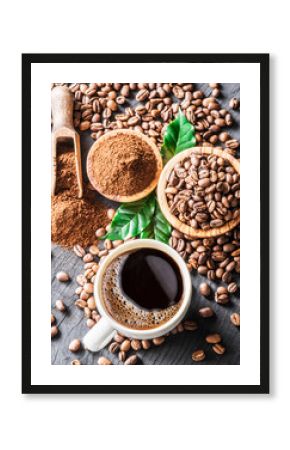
column 173, row 220
column 124, row 198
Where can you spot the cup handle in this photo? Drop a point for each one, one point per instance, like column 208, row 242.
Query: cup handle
column 99, row 336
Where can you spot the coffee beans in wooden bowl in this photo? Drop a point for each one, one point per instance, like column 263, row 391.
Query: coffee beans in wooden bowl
column 199, row 192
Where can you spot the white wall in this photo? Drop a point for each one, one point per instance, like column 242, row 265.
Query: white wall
column 174, row 422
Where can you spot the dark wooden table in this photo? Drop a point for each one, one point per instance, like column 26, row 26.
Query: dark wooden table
column 177, row 349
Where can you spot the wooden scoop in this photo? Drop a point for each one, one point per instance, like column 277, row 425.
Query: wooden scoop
column 63, row 131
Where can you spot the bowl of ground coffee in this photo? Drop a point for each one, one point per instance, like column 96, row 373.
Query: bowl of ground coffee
column 124, row 165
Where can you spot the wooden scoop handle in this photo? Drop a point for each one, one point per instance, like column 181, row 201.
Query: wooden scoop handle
column 62, row 107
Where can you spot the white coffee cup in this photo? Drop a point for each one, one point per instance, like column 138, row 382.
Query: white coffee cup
column 103, row 332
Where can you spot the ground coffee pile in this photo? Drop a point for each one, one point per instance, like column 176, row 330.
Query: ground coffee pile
column 123, row 165
column 73, row 220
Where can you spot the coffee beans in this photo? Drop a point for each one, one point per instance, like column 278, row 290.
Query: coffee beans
column 75, row 362
column 101, row 107
column 60, row 305
column 79, row 251
column 54, row 331
column 219, row 349
column 222, row 295
column 235, row 319
column 206, row 312
column 62, row 276
column 136, row 345
column 52, row 319
column 102, row 361
column 75, row 345
column 158, row 341
column 234, row 103
column 204, row 289
column 205, row 192
column 131, row 360
column 198, row 355
column 232, row 288
column 190, row 325
column 126, row 345
column 214, row 338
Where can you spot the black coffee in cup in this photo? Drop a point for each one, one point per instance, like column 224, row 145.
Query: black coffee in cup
column 142, row 289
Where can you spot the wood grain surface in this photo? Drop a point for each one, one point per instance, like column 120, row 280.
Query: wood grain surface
column 176, row 349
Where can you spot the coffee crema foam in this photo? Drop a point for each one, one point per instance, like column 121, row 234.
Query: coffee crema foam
column 121, row 308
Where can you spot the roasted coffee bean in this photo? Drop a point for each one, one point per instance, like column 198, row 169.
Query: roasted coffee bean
column 60, row 305
column 235, row 319
column 204, row 289
column 114, row 347
column 62, row 276
column 75, row 345
column 111, row 213
column 102, row 361
column 125, row 346
column 145, row 344
column 198, row 355
column 122, row 356
column 91, row 303
column 234, row 103
column 131, row 360
column 100, row 232
column 94, row 250
column 232, row 288
column 88, row 258
column 79, row 251
column 90, row 323
column 54, row 331
column 136, row 345
column 118, row 338
column 52, row 319
column 214, row 338
column 75, row 362
column 219, row 349
column 206, row 312
column 158, row 340
column 190, row 325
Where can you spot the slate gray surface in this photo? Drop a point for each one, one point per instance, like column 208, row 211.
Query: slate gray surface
column 177, row 349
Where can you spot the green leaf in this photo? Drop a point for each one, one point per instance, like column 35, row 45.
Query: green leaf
column 131, row 219
column 179, row 135
column 158, row 229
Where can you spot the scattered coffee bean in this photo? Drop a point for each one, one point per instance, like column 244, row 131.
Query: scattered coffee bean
column 62, row 276
column 114, row 347
column 89, row 288
column 79, row 251
column 234, row 103
column 219, row 349
column 100, row 232
column 136, row 345
column 102, row 361
column 54, row 331
column 122, row 356
column 190, row 325
column 75, row 345
column 94, row 250
column 60, row 306
column 126, row 345
column 90, row 323
column 132, row 360
column 118, row 338
column 146, row 344
column 88, row 258
column 110, row 213
column 235, row 319
column 75, row 362
column 214, row 338
column 158, row 340
column 206, row 312
column 204, row 289
column 198, row 355
column 91, row 303
column 232, row 288
column 222, row 295
column 52, row 319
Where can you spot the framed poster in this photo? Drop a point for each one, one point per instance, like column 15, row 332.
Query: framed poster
column 143, row 176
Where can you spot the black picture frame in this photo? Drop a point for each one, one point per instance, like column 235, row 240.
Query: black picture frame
column 263, row 60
